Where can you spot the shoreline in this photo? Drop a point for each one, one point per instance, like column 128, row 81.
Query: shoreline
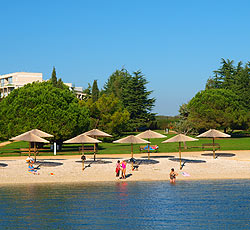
column 231, row 165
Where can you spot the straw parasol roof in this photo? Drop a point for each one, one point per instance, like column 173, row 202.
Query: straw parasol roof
column 150, row 134
column 97, row 133
column 180, row 138
column 82, row 139
column 213, row 133
column 131, row 139
column 40, row 133
column 36, row 132
column 30, row 137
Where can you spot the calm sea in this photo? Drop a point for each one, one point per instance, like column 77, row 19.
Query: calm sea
column 127, row 205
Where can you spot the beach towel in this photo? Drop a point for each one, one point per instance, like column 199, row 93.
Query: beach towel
column 185, row 174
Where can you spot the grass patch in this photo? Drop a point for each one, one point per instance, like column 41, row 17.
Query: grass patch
column 239, row 143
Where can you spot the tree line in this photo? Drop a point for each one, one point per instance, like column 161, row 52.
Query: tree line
column 124, row 104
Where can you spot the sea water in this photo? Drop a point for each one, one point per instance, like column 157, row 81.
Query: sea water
column 214, row 204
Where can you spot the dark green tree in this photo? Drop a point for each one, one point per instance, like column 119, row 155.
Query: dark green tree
column 53, row 77
column 217, row 108
column 43, row 106
column 95, row 91
column 107, row 114
column 131, row 90
column 135, row 99
column 235, row 78
column 116, row 83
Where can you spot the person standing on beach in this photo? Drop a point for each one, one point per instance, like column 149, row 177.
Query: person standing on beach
column 124, row 165
column 83, row 159
column 118, row 168
column 173, row 175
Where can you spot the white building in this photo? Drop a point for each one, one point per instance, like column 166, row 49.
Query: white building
column 11, row 81
column 78, row 91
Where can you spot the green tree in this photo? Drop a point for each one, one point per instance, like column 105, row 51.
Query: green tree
column 95, row 91
column 43, row 106
column 53, row 77
column 217, row 108
column 116, row 82
column 135, row 99
column 235, row 78
column 131, row 90
column 107, row 114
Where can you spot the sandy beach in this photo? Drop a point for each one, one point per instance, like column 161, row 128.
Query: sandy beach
column 200, row 166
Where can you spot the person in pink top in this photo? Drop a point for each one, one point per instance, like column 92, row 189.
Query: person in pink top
column 118, row 168
column 124, row 165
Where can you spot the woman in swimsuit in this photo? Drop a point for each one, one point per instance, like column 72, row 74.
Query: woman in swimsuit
column 172, row 175
column 124, row 164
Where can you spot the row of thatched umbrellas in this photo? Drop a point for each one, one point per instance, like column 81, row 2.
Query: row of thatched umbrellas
column 36, row 136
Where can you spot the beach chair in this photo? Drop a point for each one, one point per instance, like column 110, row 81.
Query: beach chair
column 151, row 148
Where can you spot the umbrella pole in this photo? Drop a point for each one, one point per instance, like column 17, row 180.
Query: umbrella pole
column 180, row 153
column 82, row 158
column 35, row 150
column 213, row 149
column 148, row 151
column 94, row 151
column 132, row 156
column 29, row 149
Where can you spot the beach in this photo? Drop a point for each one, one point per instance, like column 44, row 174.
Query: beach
column 197, row 166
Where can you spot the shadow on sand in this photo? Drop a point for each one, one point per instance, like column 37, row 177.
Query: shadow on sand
column 47, row 164
column 184, row 161
column 94, row 162
column 142, row 161
column 155, row 157
column 219, row 154
column 3, row 165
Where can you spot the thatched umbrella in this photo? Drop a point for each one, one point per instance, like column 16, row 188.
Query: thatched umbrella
column 37, row 132
column 131, row 140
column 30, row 137
column 96, row 133
column 82, row 139
column 150, row 134
column 213, row 133
column 180, row 138
column 40, row 133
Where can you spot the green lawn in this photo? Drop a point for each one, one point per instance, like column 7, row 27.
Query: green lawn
column 241, row 143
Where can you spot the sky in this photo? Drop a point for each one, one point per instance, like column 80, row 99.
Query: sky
column 176, row 44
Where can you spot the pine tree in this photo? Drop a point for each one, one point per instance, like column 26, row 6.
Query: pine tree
column 95, row 91
column 53, row 77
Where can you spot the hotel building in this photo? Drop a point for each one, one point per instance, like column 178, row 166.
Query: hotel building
column 11, row 81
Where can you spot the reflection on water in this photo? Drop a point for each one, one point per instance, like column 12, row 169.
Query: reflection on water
column 127, row 205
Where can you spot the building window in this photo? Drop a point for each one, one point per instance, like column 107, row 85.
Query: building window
column 10, row 80
column 2, row 82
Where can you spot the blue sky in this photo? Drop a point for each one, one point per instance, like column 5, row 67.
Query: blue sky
column 176, row 44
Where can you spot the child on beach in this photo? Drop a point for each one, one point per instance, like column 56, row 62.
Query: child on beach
column 118, row 168
column 172, row 175
column 31, row 168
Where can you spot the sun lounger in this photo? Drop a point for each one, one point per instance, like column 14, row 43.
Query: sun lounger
column 151, row 148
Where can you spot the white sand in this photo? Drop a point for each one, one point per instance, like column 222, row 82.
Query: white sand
column 236, row 167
